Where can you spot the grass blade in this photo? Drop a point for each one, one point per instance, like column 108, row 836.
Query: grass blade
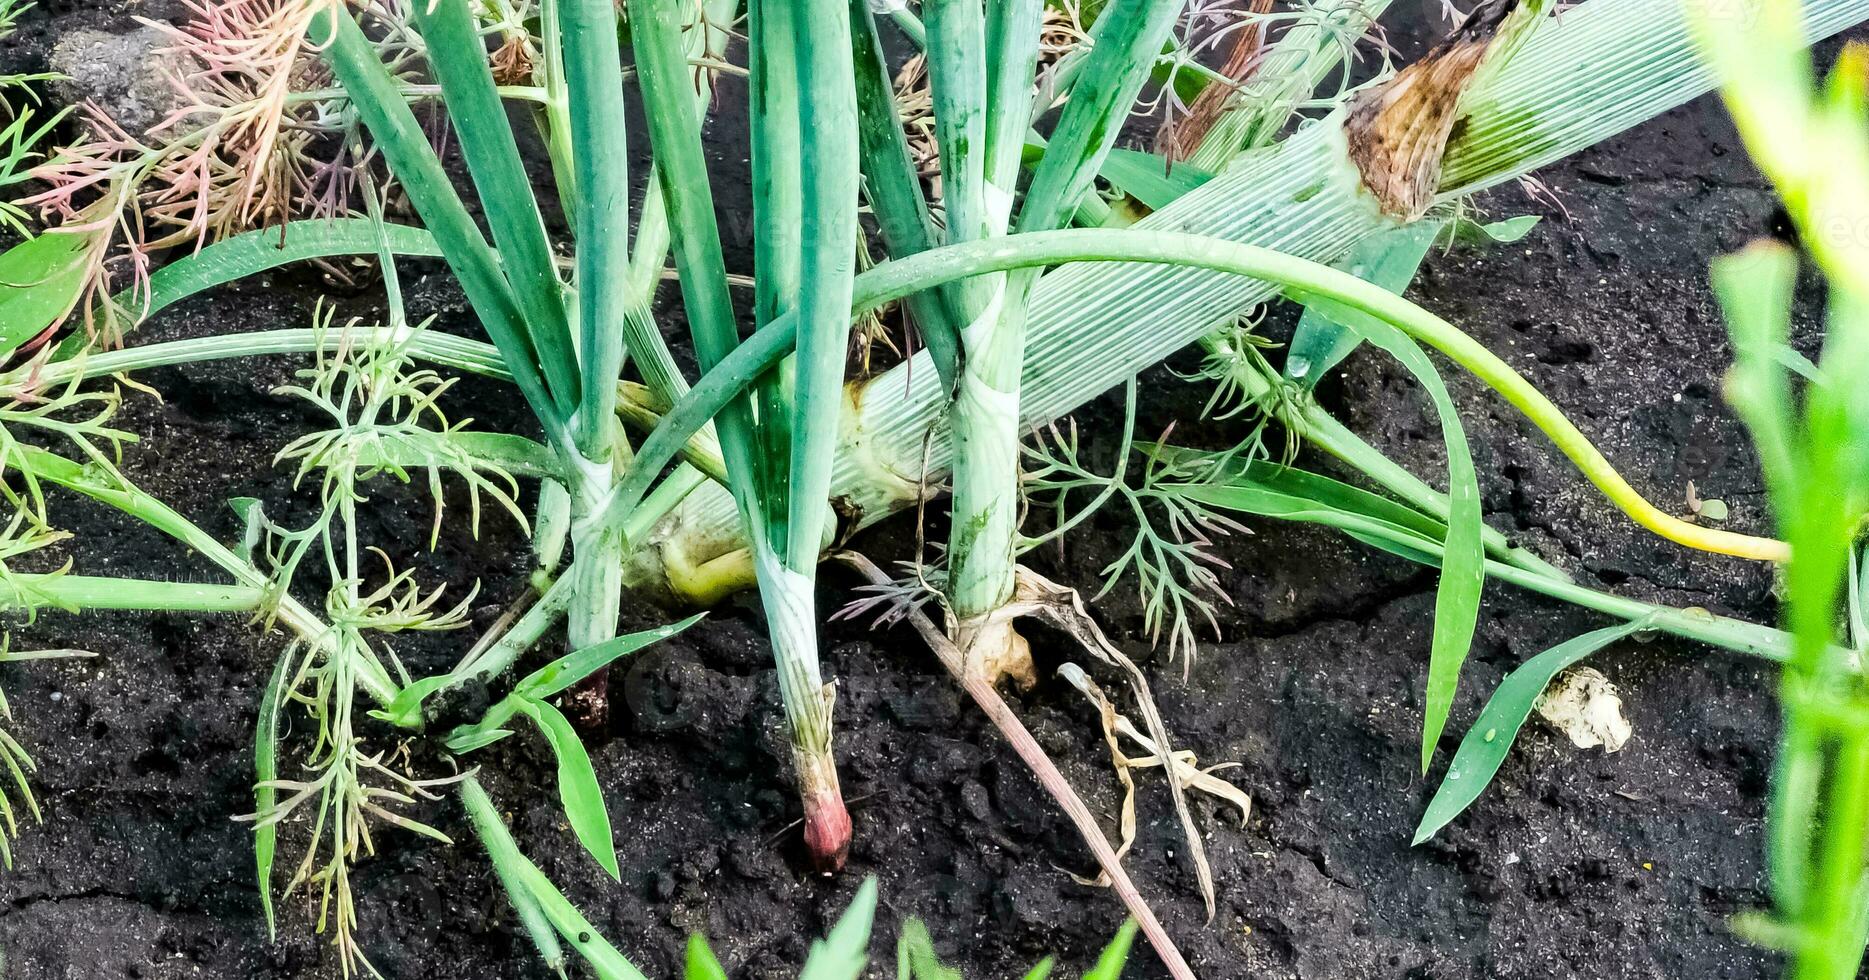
column 843, row 954
column 567, row 670
column 507, row 861
column 1485, row 746
column 1291, row 481
column 265, row 794
column 1463, row 566
column 578, row 791
column 1389, row 259
column 1754, row 287
column 1150, row 178
column 701, row 963
column 1110, row 964
column 917, row 952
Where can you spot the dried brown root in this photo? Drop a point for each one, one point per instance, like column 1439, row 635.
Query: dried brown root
column 1063, row 608
column 1184, row 767
column 991, row 645
column 980, row 688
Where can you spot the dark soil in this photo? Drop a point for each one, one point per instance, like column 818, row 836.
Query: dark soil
column 1575, row 864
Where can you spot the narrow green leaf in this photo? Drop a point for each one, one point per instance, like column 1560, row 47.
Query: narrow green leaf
column 469, row 738
column 356, row 64
column 1463, row 569
column 701, row 963
column 578, row 791
column 1485, row 746
column 405, row 709
column 508, row 866
column 827, row 235
column 681, row 171
column 894, row 188
column 41, row 280
column 265, row 795
column 1110, row 964
column 1388, row 259
column 254, row 252
column 843, row 954
column 583, row 937
column 1124, row 42
column 1042, row 971
column 599, row 135
column 918, row 949
column 1150, row 178
column 1303, row 484
column 778, row 214
column 515, row 454
column 252, row 525
column 459, row 58
column 1014, row 31
column 958, row 93
column 571, row 668
column 1502, row 232
column 714, row 395
column 1754, row 287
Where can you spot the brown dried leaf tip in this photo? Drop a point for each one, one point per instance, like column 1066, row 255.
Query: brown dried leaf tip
column 1398, row 132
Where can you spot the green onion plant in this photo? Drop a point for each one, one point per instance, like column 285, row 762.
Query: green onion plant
column 1047, row 266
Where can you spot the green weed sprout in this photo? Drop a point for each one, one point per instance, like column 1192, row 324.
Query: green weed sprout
column 1813, row 440
column 553, row 923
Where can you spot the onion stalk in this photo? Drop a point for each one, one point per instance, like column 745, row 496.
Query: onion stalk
column 1090, row 326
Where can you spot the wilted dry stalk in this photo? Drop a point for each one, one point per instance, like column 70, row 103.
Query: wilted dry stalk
column 979, row 686
column 237, row 154
column 1243, row 39
column 1062, row 35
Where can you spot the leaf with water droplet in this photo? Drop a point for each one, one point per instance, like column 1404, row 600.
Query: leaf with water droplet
column 1389, row 259
column 1483, row 748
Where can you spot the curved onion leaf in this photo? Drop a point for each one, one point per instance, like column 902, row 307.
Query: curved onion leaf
column 269, row 248
column 1487, row 742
